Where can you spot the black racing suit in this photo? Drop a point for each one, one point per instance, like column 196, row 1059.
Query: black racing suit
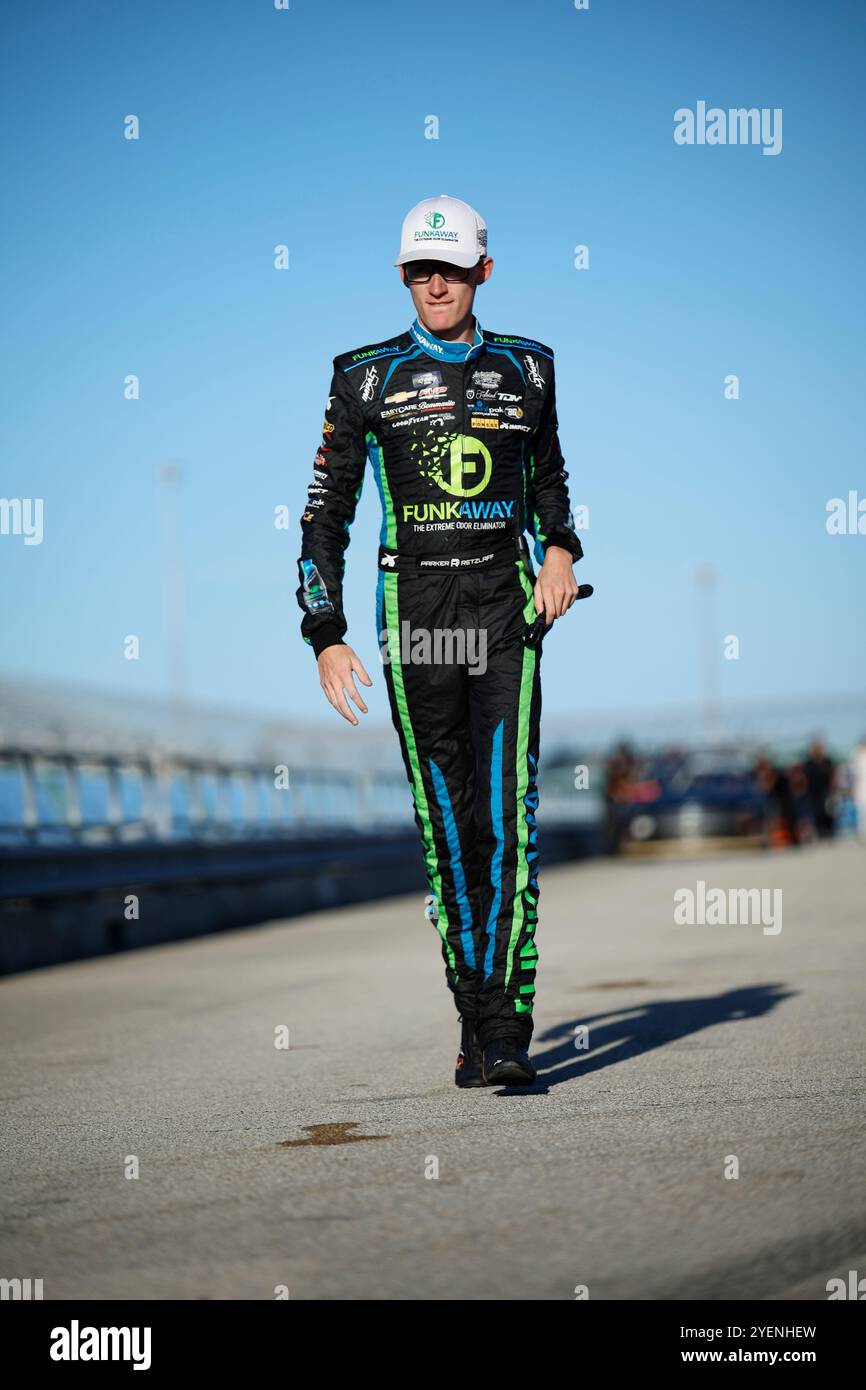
column 463, row 444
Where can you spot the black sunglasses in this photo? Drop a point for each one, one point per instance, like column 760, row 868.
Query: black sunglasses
column 419, row 272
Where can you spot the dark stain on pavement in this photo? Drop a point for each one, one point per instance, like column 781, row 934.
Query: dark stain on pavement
column 329, row 1134
column 629, row 984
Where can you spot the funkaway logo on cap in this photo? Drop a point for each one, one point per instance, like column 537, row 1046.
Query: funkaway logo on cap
column 443, row 229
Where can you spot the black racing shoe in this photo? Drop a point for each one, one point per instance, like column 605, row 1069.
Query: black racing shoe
column 468, row 1071
column 505, row 1062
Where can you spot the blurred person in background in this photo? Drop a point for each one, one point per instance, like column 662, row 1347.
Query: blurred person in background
column 819, row 770
column 619, row 774
column 858, row 769
column 802, row 803
column 779, row 805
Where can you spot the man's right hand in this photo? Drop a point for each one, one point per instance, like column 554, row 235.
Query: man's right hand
column 337, row 666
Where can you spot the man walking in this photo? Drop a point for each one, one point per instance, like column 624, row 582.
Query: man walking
column 460, row 428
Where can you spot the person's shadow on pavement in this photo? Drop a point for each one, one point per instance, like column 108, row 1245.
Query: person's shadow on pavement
column 639, row 1028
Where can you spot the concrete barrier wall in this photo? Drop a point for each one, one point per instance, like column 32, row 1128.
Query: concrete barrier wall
column 69, row 903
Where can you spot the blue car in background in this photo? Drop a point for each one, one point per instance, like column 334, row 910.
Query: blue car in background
column 696, row 800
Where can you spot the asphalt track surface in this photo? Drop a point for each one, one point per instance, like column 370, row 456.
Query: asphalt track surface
column 705, row 1042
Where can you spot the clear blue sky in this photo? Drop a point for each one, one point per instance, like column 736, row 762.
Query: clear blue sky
column 306, row 127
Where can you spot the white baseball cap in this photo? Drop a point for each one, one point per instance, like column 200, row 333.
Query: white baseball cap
column 443, row 229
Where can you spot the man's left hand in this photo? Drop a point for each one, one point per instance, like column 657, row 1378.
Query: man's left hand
column 555, row 584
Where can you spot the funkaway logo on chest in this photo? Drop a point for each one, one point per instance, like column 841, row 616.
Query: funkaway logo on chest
column 469, row 509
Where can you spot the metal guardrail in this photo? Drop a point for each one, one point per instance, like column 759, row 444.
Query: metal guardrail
column 197, row 845
column 53, row 797
column 61, row 797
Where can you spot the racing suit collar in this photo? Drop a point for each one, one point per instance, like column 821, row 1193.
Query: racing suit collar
column 443, row 351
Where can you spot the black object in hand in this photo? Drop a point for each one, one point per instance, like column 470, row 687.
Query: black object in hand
column 536, row 630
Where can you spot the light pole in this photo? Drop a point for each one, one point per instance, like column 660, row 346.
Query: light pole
column 708, row 654
column 172, row 582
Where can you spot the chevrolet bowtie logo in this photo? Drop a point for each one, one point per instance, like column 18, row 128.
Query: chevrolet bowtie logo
column 388, row 561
